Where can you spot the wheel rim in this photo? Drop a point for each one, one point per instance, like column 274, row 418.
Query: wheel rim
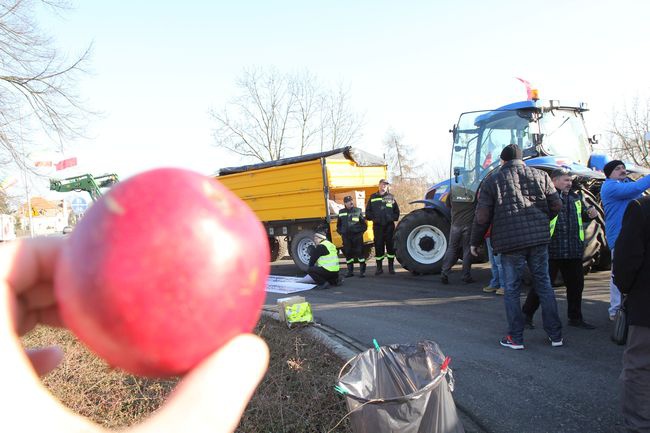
column 303, row 250
column 426, row 244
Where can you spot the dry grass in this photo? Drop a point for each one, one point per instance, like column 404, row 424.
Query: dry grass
column 296, row 394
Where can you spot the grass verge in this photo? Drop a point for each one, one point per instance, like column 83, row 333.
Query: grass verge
column 295, row 396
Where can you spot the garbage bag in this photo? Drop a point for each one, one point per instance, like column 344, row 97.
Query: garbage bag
column 400, row 388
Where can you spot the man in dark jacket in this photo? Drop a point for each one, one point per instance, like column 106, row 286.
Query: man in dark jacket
column 565, row 251
column 351, row 225
column 323, row 262
column 383, row 211
column 519, row 202
column 632, row 277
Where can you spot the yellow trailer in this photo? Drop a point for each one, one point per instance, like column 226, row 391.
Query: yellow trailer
column 295, row 196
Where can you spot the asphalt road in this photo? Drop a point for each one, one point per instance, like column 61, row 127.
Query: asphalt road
column 574, row 388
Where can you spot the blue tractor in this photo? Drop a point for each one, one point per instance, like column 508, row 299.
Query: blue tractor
column 551, row 135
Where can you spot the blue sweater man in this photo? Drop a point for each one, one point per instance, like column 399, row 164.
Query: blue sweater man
column 617, row 191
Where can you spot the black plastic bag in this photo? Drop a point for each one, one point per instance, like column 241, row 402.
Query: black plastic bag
column 400, row 388
column 619, row 332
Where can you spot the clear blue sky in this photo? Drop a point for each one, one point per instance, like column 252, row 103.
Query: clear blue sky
column 158, row 67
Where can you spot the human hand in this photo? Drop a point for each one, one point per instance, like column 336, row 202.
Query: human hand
column 473, row 250
column 211, row 397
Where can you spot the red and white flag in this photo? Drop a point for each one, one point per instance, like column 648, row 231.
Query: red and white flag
column 70, row 162
column 529, row 88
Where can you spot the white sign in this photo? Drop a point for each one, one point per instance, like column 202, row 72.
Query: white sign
column 282, row 284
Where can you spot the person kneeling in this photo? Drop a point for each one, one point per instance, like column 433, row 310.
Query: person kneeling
column 324, row 262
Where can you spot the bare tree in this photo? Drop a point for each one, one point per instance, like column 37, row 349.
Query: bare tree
column 278, row 115
column 628, row 128
column 309, row 102
column 399, row 157
column 37, row 83
column 341, row 126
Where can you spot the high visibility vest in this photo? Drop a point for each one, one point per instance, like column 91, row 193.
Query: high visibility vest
column 579, row 214
column 331, row 260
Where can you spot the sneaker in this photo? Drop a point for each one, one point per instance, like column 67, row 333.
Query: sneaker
column 581, row 324
column 528, row 324
column 507, row 341
column 612, row 318
column 556, row 343
column 444, row 279
column 500, row 291
column 488, row 289
column 468, row 280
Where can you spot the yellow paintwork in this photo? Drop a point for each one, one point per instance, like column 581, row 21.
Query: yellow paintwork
column 297, row 191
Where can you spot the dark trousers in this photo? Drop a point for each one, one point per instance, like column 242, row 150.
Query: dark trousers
column 636, row 380
column 384, row 240
column 320, row 275
column 353, row 248
column 458, row 243
column 574, row 280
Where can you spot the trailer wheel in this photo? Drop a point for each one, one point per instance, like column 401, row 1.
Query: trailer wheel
column 278, row 248
column 300, row 248
column 421, row 241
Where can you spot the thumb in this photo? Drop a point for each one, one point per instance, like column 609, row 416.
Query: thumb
column 212, row 397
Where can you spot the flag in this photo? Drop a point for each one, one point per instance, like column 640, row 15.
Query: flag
column 529, row 88
column 70, row 162
column 43, row 164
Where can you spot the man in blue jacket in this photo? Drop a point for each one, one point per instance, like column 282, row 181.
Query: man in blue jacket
column 617, row 191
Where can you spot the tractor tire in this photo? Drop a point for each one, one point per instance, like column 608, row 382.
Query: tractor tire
column 596, row 256
column 299, row 248
column 421, row 239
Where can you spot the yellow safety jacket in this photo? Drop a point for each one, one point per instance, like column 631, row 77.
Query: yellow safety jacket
column 331, row 260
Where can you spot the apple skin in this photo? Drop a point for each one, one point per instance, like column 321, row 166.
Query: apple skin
column 162, row 271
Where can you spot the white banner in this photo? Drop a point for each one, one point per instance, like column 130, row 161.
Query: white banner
column 284, row 285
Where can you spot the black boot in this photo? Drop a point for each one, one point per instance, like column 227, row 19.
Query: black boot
column 379, row 269
column 362, row 270
column 391, row 267
column 350, row 270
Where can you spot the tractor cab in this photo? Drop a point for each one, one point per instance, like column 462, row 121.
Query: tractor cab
column 550, row 135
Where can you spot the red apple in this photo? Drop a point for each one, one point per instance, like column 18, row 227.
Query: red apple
column 162, row 271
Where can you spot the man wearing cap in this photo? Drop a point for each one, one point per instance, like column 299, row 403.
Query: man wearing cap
column 519, row 202
column 351, row 225
column 323, row 262
column 565, row 250
column 617, row 191
column 383, row 211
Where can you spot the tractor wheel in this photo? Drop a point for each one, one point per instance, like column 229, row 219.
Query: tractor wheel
column 421, row 241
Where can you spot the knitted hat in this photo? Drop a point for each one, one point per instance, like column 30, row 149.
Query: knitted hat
column 510, row 152
column 611, row 165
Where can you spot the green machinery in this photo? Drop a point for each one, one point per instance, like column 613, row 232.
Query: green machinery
column 85, row 182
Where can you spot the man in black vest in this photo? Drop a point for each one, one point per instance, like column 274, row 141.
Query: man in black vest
column 351, row 225
column 632, row 276
column 383, row 211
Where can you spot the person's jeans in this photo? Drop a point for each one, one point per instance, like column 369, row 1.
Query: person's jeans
column 495, row 262
column 513, row 265
column 614, row 293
